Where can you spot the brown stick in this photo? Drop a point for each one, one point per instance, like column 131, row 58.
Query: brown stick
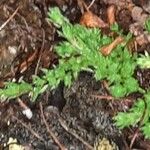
column 62, row 147
column 106, row 50
column 22, row 104
column 74, row 134
column 8, row 20
column 100, row 97
column 92, row 2
column 40, row 53
column 32, row 131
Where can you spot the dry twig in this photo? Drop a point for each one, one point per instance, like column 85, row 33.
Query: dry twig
column 22, row 18
column 74, row 134
column 100, row 97
column 8, row 20
column 134, row 137
column 62, row 147
column 25, row 64
column 91, row 4
column 40, row 53
column 32, row 131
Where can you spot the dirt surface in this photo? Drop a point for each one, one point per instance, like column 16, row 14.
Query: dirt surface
column 74, row 118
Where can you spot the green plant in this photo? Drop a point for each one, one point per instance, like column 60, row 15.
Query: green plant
column 13, row 90
column 144, row 60
column 147, row 24
column 81, row 51
column 115, row 28
column 138, row 114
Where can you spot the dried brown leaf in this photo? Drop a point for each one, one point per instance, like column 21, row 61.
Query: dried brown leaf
column 25, row 64
column 89, row 19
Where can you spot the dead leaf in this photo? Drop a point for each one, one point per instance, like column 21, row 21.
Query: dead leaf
column 106, row 50
column 25, row 64
column 89, row 19
column 111, row 14
column 47, row 58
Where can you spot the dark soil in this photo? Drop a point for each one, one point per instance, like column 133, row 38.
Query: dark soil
column 76, row 116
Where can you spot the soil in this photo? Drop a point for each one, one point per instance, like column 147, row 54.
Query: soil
column 74, row 118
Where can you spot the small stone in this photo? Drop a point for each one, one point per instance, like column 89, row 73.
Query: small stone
column 28, row 113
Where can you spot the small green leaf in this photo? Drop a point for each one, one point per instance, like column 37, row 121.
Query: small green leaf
column 144, row 60
column 127, row 69
column 126, row 119
column 146, row 130
column 132, row 117
column 118, row 90
column 56, row 17
column 13, row 90
column 68, row 80
column 106, row 40
column 115, row 27
column 68, row 32
column 147, row 24
column 131, row 84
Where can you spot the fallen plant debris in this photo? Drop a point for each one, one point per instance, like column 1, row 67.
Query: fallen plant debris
column 5, row 23
column 32, row 131
column 74, row 134
column 23, row 66
column 106, row 50
column 89, row 19
column 62, row 147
